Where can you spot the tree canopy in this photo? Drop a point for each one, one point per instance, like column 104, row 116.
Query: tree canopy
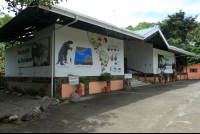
column 180, row 31
column 178, row 26
column 142, row 25
column 4, row 18
column 18, row 5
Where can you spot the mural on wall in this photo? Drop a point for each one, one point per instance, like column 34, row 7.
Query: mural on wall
column 63, row 52
column 83, row 56
column 95, row 40
column 34, row 54
column 165, row 59
column 89, row 55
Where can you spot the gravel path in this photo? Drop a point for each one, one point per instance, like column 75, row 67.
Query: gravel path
column 11, row 104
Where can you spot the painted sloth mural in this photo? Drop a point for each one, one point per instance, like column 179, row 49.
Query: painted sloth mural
column 40, row 54
column 63, row 52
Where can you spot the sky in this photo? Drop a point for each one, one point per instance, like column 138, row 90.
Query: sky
column 131, row 12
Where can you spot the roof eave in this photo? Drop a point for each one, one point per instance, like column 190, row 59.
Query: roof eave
column 91, row 20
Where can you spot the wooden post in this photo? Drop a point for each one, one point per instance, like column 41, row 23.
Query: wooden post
column 138, row 75
column 145, row 78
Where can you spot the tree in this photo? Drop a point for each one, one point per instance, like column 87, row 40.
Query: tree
column 197, row 37
column 176, row 42
column 142, row 25
column 18, row 5
column 5, row 18
column 195, row 50
column 178, row 26
column 2, row 58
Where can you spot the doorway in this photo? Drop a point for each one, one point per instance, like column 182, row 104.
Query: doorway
column 125, row 65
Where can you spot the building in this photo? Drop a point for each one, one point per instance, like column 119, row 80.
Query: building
column 193, row 71
column 59, row 42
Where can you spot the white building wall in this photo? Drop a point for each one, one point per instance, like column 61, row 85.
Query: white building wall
column 157, row 52
column 87, row 42
column 11, row 58
column 140, row 56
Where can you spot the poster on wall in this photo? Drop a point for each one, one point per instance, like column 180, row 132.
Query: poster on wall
column 165, row 60
column 85, row 53
column 34, row 54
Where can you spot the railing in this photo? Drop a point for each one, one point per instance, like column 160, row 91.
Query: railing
column 138, row 74
column 180, row 70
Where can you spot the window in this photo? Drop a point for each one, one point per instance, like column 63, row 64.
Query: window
column 193, row 70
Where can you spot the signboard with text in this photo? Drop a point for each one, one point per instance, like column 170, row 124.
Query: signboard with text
column 73, row 80
column 34, row 54
column 128, row 76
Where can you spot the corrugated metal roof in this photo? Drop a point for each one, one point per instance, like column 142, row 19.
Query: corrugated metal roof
column 145, row 31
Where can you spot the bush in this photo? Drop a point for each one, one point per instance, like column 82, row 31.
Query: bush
column 84, row 80
column 173, row 75
column 30, row 92
column 15, row 89
column 106, row 76
column 165, row 76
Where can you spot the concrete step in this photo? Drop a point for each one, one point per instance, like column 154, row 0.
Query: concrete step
column 139, row 85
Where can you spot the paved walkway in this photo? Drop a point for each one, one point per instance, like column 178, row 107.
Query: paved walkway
column 172, row 107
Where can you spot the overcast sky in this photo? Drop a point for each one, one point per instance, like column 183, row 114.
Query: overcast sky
column 131, row 12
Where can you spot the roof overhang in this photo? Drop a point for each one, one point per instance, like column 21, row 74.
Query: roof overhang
column 33, row 19
column 180, row 52
column 156, row 36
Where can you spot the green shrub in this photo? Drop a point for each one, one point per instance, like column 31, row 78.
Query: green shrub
column 106, row 76
column 173, row 75
column 165, row 76
column 15, row 89
column 84, row 80
column 30, row 92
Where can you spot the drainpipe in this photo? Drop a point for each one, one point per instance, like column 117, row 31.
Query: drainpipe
column 53, row 53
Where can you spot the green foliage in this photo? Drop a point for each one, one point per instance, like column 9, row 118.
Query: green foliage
column 178, row 26
column 141, row 25
column 30, row 92
column 165, row 75
column 18, row 5
column 4, row 18
column 195, row 50
column 84, row 80
column 197, row 37
column 177, row 43
column 15, row 89
column 173, row 75
column 106, row 76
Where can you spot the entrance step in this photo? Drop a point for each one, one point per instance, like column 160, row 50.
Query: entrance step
column 139, row 85
column 136, row 83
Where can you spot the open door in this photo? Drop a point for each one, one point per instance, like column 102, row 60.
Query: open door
column 125, row 65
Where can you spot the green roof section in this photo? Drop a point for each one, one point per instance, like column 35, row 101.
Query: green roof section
column 145, row 31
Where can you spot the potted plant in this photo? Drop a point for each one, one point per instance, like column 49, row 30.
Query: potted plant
column 165, row 77
column 107, row 77
column 173, row 76
column 83, row 80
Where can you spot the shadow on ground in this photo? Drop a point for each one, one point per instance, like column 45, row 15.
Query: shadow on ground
column 87, row 115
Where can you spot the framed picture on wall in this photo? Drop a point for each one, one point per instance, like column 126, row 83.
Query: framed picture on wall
column 35, row 54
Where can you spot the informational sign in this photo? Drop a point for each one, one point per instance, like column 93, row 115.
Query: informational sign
column 128, row 76
column 165, row 60
column 87, row 54
column 73, row 80
column 34, row 54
